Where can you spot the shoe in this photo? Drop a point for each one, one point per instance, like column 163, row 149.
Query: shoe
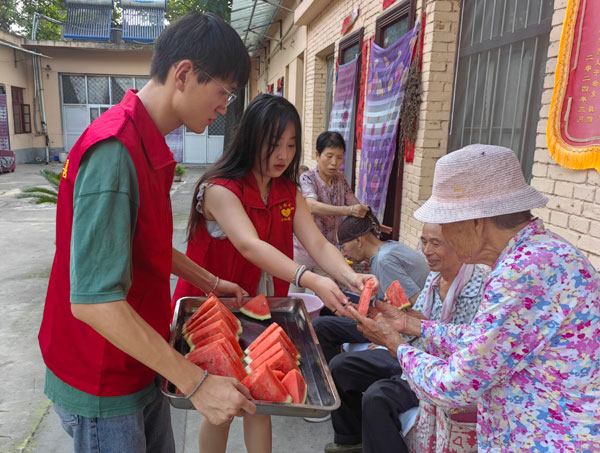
column 318, row 419
column 332, row 447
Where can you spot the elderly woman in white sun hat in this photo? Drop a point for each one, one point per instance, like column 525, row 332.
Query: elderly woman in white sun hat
column 531, row 358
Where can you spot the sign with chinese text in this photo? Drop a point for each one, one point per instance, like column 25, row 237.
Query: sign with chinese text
column 574, row 121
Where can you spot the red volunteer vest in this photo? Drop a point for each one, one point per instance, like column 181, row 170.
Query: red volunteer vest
column 274, row 224
column 72, row 350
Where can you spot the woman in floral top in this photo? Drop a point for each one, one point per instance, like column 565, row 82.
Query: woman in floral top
column 328, row 195
column 531, row 358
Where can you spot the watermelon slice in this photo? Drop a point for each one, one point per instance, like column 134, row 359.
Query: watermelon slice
column 396, row 296
column 218, row 336
column 216, row 360
column 257, row 308
column 278, row 374
column 215, row 305
column 270, row 353
column 206, row 305
column 204, row 332
column 281, row 361
column 365, row 297
column 197, row 352
column 264, row 386
column 273, row 327
column 295, row 385
column 274, row 339
column 211, row 317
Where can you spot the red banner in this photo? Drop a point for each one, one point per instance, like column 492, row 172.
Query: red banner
column 574, row 120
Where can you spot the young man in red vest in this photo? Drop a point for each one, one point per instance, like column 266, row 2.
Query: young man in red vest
column 107, row 313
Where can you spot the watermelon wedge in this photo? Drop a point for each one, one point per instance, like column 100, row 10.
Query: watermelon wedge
column 215, row 305
column 211, row 317
column 206, row 305
column 270, row 353
column 216, row 360
column 295, row 385
column 264, row 386
column 197, row 352
column 396, row 296
column 274, row 339
column 273, row 327
column 257, row 308
column 278, row 374
column 365, row 297
column 218, row 336
column 281, row 361
column 204, row 332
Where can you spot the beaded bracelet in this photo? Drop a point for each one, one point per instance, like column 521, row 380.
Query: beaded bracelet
column 189, row 395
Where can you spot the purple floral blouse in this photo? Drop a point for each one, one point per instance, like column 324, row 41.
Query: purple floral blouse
column 338, row 194
column 531, row 358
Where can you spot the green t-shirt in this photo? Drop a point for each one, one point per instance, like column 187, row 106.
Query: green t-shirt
column 105, row 203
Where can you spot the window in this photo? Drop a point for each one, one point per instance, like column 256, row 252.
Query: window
column 395, row 23
column 500, row 74
column 21, row 112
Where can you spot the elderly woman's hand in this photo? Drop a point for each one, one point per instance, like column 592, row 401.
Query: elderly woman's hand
column 359, row 210
column 406, row 321
column 379, row 330
column 356, row 282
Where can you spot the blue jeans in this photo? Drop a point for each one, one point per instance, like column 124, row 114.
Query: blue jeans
column 145, row 431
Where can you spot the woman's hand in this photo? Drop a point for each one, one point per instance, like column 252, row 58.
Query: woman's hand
column 227, row 288
column 379, row 330
column 356, row 282
column 359, row 210
column 328, row 291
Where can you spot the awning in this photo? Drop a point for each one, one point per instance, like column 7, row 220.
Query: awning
column 252, row 18
column 7, row 44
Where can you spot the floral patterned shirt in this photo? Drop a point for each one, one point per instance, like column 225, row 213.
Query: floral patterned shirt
column 531, row 358
column 338, row 193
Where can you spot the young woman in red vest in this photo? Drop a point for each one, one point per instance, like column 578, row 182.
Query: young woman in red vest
column 244, row 214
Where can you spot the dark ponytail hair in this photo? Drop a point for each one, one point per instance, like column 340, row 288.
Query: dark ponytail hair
column 353, row 227
column 263, row 121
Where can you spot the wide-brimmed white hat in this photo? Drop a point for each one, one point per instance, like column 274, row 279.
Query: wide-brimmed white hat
column 478, row 181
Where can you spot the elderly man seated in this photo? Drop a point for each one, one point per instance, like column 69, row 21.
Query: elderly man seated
column 370, row 382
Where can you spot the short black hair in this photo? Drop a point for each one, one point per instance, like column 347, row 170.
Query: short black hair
column 330, row 139
column 211, row 44
column 354, row 227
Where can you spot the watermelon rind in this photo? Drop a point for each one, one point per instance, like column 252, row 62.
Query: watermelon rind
column 253, row 315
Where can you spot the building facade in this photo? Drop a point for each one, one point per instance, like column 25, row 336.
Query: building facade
column 487, row 76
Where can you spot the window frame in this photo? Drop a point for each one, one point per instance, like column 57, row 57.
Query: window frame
column 390, row 17
column 21, row 111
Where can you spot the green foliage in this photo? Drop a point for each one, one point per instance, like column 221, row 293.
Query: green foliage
column 8, row 14
column 42, row 194
column 180, row 170
column 56, row 9
column 178, row 8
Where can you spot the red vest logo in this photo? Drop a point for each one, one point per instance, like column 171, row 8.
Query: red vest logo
column 65, row 168
column 286, row 211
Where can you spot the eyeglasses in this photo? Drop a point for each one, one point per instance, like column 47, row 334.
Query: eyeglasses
column 230, row 96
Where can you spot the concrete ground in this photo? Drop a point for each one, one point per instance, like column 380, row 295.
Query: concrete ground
column 27, row 422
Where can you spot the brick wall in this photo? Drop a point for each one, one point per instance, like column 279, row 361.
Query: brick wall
column 573, row 210
column 437, row 82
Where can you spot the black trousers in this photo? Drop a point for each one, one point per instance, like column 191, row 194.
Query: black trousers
column 372, row 395
column 333, row 331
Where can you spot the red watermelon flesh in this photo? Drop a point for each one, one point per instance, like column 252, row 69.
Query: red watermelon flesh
column 209, row 330
column 278, row 374
column 365, row 297
column 264, row 334
column 197, row 352
column 216, row 360
column 264, row 386
column 218, row 336
column 273, row 339
column 281, row 361
column 267, row 355
column 206, row 305
column 277, row 328
column 295, row 385
column 215, row 307
column 213, row 315
column 396, row 296
column 257, row 308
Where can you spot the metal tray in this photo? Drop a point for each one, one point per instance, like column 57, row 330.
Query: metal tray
column 290, row 313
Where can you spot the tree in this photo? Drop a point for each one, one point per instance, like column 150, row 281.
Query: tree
column 178, row 8
column 8, row 14
column 56, row 9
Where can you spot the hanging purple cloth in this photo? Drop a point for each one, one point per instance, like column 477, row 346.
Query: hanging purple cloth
column 388, row 71
column 342, row 110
